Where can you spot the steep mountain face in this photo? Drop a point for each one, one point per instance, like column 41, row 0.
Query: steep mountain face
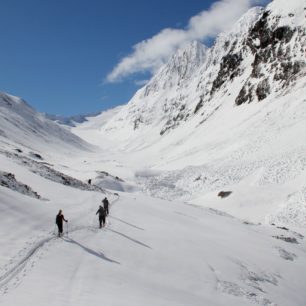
column 156, row 103
column 262, row 55
column 22, row 126
column 228, row 123
column 276, row 42
column 179, row 70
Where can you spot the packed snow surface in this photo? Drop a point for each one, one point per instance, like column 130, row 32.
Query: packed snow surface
column 151, row 252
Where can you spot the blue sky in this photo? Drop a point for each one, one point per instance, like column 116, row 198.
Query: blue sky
column 70, row 56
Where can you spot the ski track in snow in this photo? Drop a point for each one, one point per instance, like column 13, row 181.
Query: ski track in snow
column 13, row 274
column 249, row 284
column 26, row 259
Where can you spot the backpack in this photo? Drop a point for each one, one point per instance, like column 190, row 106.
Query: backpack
column 58, row 219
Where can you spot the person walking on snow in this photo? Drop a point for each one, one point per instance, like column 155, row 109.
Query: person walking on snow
column 59, row 222
column 101, row 213
column 105, row 204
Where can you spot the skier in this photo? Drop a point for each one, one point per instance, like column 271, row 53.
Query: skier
column 105, row 204
column 59, row 222
column 101, row 213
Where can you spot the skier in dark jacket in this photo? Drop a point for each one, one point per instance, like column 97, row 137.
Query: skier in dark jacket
column 101, row 213
column 105, row 204
column 59, row 222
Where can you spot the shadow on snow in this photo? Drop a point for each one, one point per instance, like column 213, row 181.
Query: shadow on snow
column 132, row 225
column 129, row 238
column 90, row 251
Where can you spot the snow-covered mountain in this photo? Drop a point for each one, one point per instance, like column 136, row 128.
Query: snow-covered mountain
column 262, row 55
column 23, row 127
column 229, row 119
column 70, row 120
column 222, row 128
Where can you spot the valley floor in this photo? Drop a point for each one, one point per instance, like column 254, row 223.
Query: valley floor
column 151, row 252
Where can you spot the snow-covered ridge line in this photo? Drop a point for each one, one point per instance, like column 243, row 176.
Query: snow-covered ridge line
column 22, row 125
column 49, row 173
column 261, row 55
column 8, row 180
column 71, row 121
column 232, row 122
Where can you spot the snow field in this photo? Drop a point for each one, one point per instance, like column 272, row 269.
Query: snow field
column 155, row 252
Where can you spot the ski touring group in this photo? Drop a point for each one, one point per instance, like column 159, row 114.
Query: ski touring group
column 102, row 213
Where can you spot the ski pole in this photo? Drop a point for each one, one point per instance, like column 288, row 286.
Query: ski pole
column 67, row 229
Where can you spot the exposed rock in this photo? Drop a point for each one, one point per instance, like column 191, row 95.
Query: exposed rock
column 283, row 228
column 102, row 174
column 286, row 255
column 175, row 120
column 263, row 89
column 260, row 32
column 49, row 173
column 269, row 44
column 36, row 155
column 224, row 194
column 199, row 105
column 287, row 239
column 282, row 33
column 137, row 123
column 229, row 68
column 243, row 96
column 8, row 180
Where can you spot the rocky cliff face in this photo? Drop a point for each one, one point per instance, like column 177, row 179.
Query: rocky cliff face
column 164, row 95
column 278, row 55
column 179, row 70
column 261, row 56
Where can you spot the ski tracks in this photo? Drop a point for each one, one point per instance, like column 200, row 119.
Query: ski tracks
column 13, row 272
column 25, row 260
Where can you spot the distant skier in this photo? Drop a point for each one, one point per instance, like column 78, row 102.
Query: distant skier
column 105, row 205
column 59, row 222
column 89, row 182
column 101, row 213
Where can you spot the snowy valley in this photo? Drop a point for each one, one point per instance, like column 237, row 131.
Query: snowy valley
column 205, row 170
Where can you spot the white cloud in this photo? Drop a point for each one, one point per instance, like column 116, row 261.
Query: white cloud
column 141, row 82
column 150, row 54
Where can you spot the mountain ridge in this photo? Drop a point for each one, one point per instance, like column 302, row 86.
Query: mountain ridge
column 232, row 124
column 23, row 127
column 235, row 57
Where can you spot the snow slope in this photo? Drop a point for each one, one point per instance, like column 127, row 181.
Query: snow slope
column 228, row 119
column 21, row 127
column 152, row 252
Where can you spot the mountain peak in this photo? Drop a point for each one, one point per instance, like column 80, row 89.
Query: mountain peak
column 292, row 12
column 23, row 125
column 258, row 58
column 180, row 67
